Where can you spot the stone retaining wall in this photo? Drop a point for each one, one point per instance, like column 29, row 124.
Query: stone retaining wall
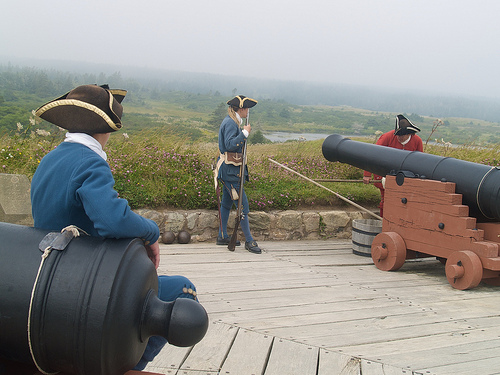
column 278, row 225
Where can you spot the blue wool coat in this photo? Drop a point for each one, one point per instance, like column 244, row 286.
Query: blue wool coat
column 74, row 186
column 231, row 139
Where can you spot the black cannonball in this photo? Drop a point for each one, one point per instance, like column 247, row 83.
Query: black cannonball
column 168, row 237
column 183, row 237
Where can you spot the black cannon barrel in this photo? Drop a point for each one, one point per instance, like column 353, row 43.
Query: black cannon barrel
column 94, row 306
column 479, row 184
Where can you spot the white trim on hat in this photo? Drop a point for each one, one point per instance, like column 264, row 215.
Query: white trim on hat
column 78, row 103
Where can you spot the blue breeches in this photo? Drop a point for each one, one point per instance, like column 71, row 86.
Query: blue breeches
column 225, row 208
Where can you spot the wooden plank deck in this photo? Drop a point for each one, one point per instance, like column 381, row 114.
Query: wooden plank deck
column 315, row 308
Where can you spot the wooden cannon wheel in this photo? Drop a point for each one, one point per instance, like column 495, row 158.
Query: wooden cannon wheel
column 464, row 269
column 388, row 251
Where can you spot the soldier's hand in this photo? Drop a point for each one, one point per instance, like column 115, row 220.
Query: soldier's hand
column 153, row 251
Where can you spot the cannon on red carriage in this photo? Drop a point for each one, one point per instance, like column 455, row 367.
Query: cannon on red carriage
column 434, row 206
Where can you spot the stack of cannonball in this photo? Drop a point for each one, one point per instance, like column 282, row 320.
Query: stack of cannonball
column 169, row 237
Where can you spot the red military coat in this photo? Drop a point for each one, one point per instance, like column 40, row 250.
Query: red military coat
column 390, row 140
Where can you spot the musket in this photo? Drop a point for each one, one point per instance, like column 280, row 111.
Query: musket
column 239, row 213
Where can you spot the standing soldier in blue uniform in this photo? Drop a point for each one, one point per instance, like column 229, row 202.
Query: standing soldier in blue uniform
column 231, row 142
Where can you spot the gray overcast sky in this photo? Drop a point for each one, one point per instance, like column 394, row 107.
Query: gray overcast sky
column 433, row 45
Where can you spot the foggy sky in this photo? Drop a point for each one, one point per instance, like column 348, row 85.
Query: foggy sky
column 448, row 46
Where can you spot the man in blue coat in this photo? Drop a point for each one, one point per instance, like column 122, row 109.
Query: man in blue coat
column 73, row 185
column 231, row 142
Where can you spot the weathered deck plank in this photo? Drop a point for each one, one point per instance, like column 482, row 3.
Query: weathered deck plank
column 291, row 358
column 338, row 363
column 446, row 356
column 248, row 354
column 169, row 360
column 377, row 368
column 211, row 354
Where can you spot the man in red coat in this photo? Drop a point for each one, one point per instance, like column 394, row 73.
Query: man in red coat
column 404, row 138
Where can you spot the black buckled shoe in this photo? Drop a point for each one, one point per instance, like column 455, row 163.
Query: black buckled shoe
column 225, row 241
column 253, row 247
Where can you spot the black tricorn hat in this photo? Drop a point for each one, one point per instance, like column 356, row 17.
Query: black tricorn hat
column 404, row 126
column 87, row 109
column 241, row 101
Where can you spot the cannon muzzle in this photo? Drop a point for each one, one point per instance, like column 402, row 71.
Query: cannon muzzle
column 479, row 184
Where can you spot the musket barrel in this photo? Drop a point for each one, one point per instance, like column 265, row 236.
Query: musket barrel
column 479, row 184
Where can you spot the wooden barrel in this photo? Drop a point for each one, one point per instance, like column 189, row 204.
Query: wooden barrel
column 363, row 233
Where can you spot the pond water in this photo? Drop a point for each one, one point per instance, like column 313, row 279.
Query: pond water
column 284, row 136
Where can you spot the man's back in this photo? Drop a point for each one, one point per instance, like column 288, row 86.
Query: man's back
column 73, row 185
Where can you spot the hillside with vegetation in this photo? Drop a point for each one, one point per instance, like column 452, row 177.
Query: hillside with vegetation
column 163, row 157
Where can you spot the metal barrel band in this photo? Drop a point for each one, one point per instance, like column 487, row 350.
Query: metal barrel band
column 479, row 188
column 52, row 241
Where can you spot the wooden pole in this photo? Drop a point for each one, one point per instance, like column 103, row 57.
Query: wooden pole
column 331, row 191
column 339, row 180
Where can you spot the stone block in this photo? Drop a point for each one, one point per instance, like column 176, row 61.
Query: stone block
column 156, row 216
column 15, row 201
column 174, row 221
column 289, row 220
column 311, row 222
column 191, row 219
column 334, row 220
column 208, row 219
column 259, row 221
